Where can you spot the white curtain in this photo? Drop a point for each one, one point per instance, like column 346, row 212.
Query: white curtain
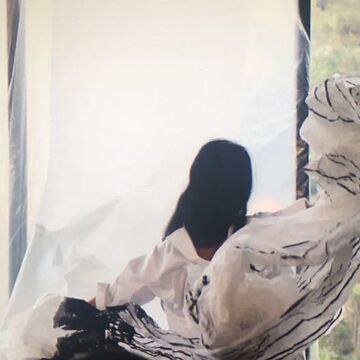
column 4, row 161
column 128, row 91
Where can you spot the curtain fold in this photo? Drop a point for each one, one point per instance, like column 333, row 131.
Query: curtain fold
column 17, row 139
column 302, row 79
column 4, row 158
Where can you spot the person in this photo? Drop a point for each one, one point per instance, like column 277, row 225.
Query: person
column 213, row 205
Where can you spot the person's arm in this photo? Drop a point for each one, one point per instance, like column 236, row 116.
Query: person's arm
column 142, row 279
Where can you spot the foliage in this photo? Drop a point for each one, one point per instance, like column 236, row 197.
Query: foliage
column 335, row 37
column 338, row 345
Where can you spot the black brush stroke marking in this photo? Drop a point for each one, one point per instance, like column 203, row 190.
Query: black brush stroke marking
column 314, row 275
column 348, row 101
column 315, row 316
column 317, row 97
column 335, row 178
column 327, row 93
column 296, row 244
column 329, row 119
column 326, row 326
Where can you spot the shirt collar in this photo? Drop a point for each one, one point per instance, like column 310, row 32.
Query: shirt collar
column 182, row 241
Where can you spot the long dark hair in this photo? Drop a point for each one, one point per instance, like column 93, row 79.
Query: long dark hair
column 216, row 197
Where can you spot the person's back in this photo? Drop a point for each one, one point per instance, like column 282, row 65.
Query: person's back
column 213, row 205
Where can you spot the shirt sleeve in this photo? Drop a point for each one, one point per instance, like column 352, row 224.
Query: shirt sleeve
column 143, row 278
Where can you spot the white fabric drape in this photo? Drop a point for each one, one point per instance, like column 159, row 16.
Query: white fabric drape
column 136, row 87
column 4, row 161
column 17, row 122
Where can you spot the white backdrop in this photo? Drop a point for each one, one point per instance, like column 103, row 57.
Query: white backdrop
column 136, row 88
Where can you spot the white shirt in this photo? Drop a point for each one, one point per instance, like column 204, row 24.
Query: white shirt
column 167, row 273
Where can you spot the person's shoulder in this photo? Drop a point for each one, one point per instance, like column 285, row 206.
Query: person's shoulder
column 172, row 246
column 298, row 205
column 183, row 246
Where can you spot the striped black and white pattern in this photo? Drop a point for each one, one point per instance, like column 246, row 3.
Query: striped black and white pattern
column 280, row 282
column 311, row 256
